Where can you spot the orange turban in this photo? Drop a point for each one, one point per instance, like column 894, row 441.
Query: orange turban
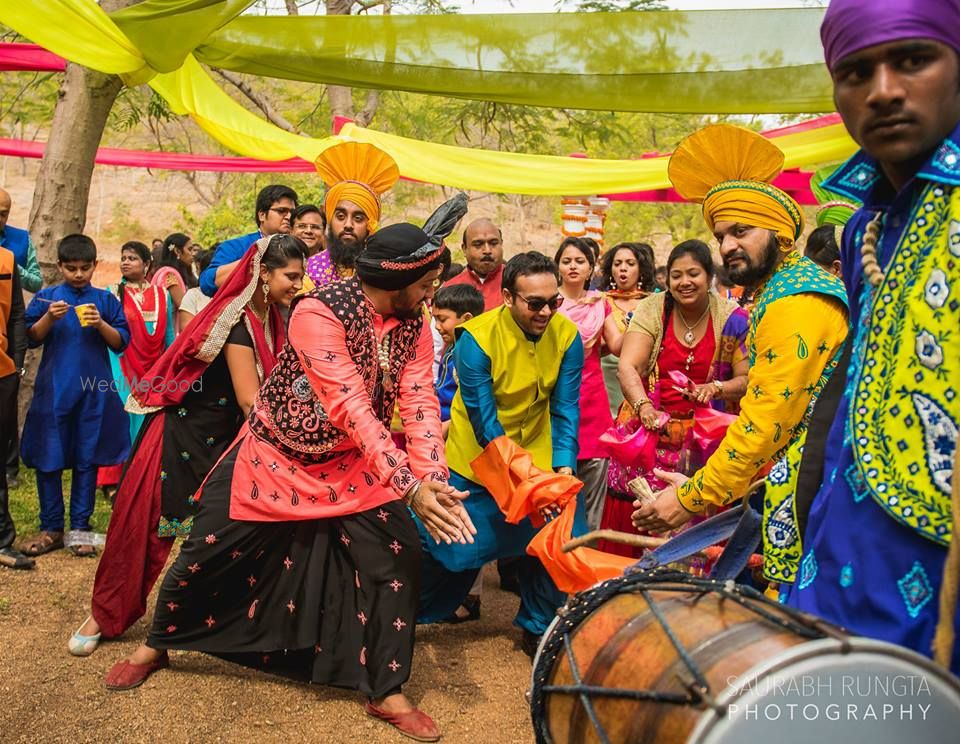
column 728, row 169
column 356, row 172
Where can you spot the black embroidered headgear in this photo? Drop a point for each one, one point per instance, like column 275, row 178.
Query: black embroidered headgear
column 398, row 255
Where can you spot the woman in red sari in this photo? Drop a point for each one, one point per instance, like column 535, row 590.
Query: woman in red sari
column 687, row 329
column 196, row 396
column 150, row 318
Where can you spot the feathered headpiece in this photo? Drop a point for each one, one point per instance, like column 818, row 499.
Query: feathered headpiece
column 399, row 255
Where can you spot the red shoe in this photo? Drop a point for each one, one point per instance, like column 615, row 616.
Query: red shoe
column 125, row 676
column 414, row 723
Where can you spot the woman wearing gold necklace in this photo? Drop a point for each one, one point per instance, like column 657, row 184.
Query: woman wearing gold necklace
column 150, row 317
column 686, row 329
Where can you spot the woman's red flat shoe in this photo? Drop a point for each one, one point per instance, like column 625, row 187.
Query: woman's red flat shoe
column 414, row 723
column 125, row 676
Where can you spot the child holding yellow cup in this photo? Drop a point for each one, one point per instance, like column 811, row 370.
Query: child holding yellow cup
column 75, row 419
column 87, row 314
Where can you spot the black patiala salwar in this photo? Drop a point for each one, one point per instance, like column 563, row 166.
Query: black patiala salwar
column 313, row 600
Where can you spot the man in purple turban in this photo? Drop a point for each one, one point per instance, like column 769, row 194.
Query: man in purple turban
column 873, row 501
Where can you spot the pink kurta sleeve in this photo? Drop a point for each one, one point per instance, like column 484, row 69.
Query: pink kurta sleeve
column 420, row 412
column 320, row 342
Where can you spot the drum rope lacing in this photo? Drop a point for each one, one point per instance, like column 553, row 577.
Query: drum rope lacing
column 662, row 580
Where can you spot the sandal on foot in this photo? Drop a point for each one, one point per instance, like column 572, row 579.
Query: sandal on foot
column 83, row 551
column 43, row 543
column 81, row 645
column 13, row 558
column 125, row 676
column 468, row 610
column 414, row 723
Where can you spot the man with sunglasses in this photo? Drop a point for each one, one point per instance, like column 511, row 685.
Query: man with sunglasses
column 272, row 213
column 519, row 370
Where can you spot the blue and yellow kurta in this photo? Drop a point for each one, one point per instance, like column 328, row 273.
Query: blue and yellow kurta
column 877, row 530
column 529, row 389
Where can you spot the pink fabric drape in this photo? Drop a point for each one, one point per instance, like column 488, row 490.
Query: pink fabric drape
column 16, row 57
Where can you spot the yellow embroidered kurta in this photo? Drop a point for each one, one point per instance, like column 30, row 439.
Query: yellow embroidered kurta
column 793, row 343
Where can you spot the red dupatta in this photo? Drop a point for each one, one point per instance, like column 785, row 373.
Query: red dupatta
column 168, row 380
column 144, row 348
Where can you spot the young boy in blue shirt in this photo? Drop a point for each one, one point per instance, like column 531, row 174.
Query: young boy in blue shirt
column 451, row 307
column 75, row 420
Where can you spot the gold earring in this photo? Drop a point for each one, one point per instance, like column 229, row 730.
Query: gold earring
column 266, row 292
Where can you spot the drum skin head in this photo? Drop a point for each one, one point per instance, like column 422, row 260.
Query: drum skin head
column 857, row 691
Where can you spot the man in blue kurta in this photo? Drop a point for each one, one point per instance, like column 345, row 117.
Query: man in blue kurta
column 273, row 213
column 76, row 419
column 17, row 241
column 876, row 536
column 519, row 369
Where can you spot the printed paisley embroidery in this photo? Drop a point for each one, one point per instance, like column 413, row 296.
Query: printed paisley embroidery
column 940, row 440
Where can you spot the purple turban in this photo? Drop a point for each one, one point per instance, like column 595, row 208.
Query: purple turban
column 852, row 25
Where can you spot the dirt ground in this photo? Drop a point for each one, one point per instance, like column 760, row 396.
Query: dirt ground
column 471, row 678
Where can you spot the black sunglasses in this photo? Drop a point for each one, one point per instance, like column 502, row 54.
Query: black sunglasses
column 537, row 304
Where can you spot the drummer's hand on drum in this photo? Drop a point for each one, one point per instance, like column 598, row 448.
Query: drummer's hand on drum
column 666, row 513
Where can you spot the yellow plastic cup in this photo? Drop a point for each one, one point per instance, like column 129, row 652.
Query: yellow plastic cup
column 81, row 311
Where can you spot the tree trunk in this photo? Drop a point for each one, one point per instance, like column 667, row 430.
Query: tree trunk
column 63, row 182
column 341, row 97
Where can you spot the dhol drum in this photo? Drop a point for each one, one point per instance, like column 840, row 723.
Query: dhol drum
column 665, row 657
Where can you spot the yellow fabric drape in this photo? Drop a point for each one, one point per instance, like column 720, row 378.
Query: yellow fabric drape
column 81, row 32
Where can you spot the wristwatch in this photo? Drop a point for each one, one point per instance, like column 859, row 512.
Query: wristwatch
column 719, row 386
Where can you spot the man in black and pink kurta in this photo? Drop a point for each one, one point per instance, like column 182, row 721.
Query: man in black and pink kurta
column 304, row 560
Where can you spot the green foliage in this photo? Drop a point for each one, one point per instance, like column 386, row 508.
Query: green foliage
column 221, row 222
column 138, row 105
column 124, row 226
column 27, row 100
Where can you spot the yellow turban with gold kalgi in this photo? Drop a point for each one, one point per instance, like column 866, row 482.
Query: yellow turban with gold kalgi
column 729, row 169
column 356, row 172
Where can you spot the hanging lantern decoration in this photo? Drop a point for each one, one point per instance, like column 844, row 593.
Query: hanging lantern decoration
column 584, row 217
column 574, row 217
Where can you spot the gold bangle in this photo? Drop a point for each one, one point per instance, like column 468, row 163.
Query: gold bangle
column 641, row 402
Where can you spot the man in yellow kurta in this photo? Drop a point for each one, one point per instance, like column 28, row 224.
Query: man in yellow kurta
column 519, row 368
column 797, row 327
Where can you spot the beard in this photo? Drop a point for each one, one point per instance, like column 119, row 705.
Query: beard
column 751, row 273
column 342, row 254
